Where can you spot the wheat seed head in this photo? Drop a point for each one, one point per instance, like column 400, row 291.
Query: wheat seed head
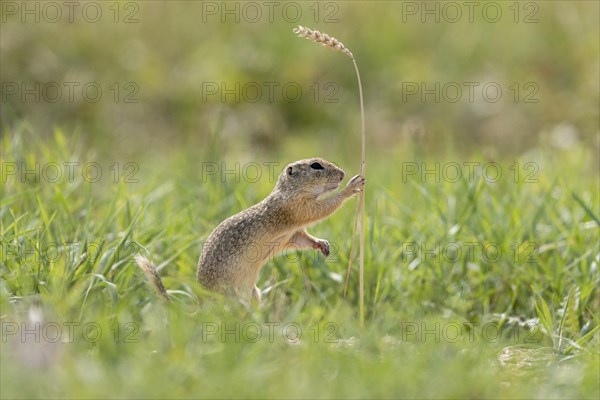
column 323, row 39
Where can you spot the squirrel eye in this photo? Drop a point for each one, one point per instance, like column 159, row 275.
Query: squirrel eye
column 290, row 171
column 316, row 166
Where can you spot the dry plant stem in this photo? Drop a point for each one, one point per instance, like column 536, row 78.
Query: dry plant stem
column 335, row 44
column 361, row 199
column 352, row 244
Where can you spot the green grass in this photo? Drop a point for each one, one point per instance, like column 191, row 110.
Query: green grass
column 474, row 289
column 512, row 313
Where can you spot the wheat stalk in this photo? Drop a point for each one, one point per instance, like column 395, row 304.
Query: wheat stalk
column 335, row 44
column 323, row 39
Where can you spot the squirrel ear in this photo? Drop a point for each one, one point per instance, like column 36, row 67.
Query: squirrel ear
column 290, row 171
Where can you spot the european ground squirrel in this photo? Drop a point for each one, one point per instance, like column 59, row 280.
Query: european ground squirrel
column 236, row 250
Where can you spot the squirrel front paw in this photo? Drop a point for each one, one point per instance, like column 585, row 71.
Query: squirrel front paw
column 355, row 185
column 322, row 245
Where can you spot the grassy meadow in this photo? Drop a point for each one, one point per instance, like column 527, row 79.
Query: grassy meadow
column 141, row 131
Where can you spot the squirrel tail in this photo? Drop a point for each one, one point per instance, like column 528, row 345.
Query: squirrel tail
column 152, row 275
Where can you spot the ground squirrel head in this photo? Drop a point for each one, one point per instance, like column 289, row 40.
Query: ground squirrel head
column 310, row 177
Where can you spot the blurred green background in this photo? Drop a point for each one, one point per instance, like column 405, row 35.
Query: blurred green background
column 545, row 64
column 155, row 92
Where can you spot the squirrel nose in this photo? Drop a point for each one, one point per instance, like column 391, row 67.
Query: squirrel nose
column 342, row 176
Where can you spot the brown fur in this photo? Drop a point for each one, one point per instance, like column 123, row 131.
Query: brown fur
column 153, row 276
column 237, row 249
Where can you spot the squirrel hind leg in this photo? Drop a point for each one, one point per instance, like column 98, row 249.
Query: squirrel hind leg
column 152, row 275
